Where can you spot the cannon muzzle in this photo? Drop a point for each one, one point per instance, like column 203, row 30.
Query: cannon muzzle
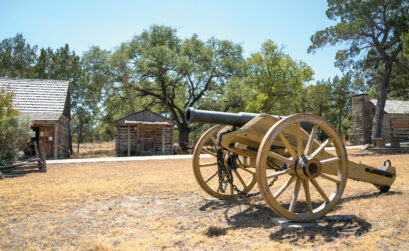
column 221, row 118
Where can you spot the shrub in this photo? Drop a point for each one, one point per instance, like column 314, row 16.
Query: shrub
column 15, row 132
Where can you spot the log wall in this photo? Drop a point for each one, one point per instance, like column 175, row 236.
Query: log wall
column 399, row 126
column 63, row 125
column 144, row 140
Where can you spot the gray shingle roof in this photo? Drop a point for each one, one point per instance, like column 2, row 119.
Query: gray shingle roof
column 395, row 106
column 37, row 98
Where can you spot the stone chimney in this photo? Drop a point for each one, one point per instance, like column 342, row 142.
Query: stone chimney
column 361, row 120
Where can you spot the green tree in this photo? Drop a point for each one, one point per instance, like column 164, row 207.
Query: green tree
column 90, row 93
column 368, row 28
column 121, row 97
column 82, row 125
column 175, row 74
column 15, row 132
column 277, row 80
column 341, row 101
column 316, row 99
column 17, row 58
column 235, row 98
column 406, row 44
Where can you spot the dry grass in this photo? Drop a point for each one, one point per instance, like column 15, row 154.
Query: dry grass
column 95, row 150
column 158, row 205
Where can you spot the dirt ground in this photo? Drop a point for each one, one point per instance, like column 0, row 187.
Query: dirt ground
column 158, row 205
column 94, row 150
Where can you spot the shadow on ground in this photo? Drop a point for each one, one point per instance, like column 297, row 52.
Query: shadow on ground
column 326, row 231
column 253, row 213
column 18, row 173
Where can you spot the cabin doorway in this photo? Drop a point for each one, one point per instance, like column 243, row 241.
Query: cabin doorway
column 148, row 141
column 45, row 135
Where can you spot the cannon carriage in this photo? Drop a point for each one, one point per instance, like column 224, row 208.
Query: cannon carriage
column 284, row 156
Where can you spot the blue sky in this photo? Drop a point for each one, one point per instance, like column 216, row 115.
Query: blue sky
column 82, row 24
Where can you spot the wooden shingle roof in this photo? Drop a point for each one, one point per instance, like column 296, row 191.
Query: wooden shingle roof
column 394, row 106
column 37, row 98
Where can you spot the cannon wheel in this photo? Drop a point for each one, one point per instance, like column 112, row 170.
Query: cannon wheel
column 205, row 169
column 306, row 162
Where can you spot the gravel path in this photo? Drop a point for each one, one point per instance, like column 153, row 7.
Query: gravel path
column 120, row 159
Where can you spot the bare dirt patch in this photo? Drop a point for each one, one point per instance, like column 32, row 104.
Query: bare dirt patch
column 158, row 205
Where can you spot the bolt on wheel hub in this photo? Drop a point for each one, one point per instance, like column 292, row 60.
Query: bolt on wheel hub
column 307, row 167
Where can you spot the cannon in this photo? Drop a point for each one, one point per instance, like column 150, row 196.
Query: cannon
column 287, row 158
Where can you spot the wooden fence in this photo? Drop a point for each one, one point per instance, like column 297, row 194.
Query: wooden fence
column 38, row 161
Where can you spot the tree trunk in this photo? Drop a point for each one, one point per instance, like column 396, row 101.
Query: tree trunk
column 340, row 121
column 71, row 150
column 184, row 131
column 79, row 140
column 380, row 104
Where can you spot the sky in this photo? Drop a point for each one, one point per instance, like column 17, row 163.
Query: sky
column 81, row 24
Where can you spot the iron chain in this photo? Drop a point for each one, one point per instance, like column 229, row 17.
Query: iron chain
column 226, row 176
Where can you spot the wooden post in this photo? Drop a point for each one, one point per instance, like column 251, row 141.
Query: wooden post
column 55, row 141
column 137, row 138
column 143, row 139
column 37, row 155
column 163, row 139
column 43, row 157
column 129, row 141
column 36, row 149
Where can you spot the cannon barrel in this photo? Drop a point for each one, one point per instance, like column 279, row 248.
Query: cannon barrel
column 228, row 118
column 222, row 118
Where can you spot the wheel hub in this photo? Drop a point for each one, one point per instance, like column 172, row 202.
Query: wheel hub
column 307, row 167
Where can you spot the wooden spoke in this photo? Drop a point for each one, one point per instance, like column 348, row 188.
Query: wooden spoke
column 211, row 177
column 295, row 195
column 240, row 178
column 213, row 139
column 279, row 173
column 284, row 187
column 240, row 164
column 287, row 145
column 329, row 161
column 307, row 194
column 329, row 178
column 308, row 147
column 209, row 152
column 207, row 179
column 208, row 164
column 280, row 157
column 283, row 197
column 318, row 188
column 245, row 169
column 299, row 140
column 320, row 148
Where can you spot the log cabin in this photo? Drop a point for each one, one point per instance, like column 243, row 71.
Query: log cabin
column 144, row 133
column 395, row 125
column 47, row 104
